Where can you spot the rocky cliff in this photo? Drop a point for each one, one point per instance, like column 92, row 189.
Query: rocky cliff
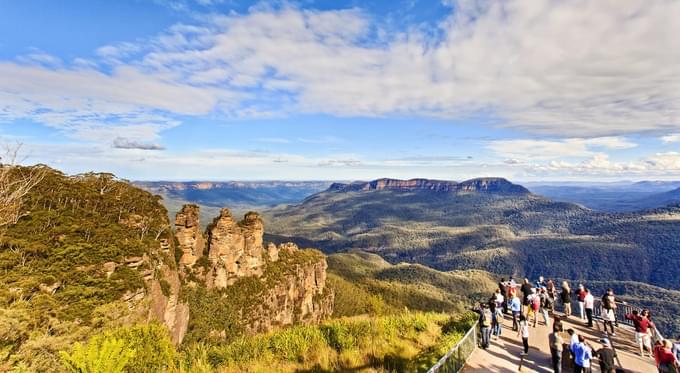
column 245, row 287
column 482, row 185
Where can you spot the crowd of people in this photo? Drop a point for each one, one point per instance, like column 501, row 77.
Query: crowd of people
column 524, row 302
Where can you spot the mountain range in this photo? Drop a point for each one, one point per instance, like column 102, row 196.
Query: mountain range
column 612, row 197
column 491, row 224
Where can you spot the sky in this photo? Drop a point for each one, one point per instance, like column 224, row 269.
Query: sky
column 529, row 90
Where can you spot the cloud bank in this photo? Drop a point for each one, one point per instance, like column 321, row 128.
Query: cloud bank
column 571, row 68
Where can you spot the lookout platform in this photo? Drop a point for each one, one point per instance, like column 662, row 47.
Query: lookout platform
column 503, row 355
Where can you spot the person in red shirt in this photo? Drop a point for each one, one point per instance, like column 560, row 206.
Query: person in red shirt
column 641, row 324
column 581, row 294
column 665, row 359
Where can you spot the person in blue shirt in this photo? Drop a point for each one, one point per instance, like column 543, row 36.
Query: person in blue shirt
column 583, row 354
column 516, row 309
column 540, row 282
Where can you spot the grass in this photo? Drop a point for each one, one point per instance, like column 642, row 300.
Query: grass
column 410, row 341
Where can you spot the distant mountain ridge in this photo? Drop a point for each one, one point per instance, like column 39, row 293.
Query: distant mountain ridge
column 490, row 185
column 613, row 197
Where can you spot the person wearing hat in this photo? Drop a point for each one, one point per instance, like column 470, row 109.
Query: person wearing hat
column 606, row 355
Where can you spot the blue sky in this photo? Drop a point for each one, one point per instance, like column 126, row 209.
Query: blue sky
column 453, row 89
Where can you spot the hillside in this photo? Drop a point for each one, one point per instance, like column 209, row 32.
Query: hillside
column 93, row 258
column 90, row 253
column 366, row 283
column 504, row 233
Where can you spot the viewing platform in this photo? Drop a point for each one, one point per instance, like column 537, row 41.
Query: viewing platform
column 503, row 355
column 504, row 352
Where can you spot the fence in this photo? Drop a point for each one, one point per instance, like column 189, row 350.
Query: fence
column 455, row 359
column 622, row 309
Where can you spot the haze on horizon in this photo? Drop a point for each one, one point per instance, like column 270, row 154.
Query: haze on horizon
column 344, row 90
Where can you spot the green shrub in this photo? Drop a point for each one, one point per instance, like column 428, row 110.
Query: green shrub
column 102, row 354
column 149, row 344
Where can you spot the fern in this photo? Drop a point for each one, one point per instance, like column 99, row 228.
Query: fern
column 107, row 355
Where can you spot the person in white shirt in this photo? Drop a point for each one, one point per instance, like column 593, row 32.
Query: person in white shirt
column 589, row 304
column 523, row 331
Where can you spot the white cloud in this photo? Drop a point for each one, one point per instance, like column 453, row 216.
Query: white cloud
column 662, row 165
column 559, row 68
column 672, row 138
column 530, row 149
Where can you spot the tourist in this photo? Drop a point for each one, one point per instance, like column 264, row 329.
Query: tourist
column 540, row 282
column 581, row 295
column 502, row 287
column 556, row 348
column 526, row 291
column 516, row 309
column 609, row 310
column 641, row 324
column 589, row 305
column 667, row 362
column 566, row 298
column 609, row 318
column 497, row 312
column 557, row 323
column 534, row 306
column 583, row 355
column 552, row 294
column 524, row 333
column 657, row 351
column 484, row 323
column 545, row 305
column 573, row 341
column 676, row 348
column 606, row 355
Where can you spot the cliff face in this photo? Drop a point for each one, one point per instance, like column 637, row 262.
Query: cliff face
column 299, row 295
column 483, row 185
column 160, row 298
column 263, row 287
column 165, row 303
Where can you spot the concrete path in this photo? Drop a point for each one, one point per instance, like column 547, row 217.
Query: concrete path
column 504, row 353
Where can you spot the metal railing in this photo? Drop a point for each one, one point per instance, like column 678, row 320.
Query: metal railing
column 622, row 309
column 455, row 359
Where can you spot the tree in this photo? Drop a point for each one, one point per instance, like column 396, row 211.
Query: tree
column 15, row 183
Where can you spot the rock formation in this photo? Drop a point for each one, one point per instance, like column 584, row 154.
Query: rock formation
column 189, row 236
column 497, row 185
column 291, row 283
column 235, row 249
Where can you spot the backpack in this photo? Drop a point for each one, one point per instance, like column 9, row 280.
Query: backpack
column 485, row 319
column 536, row 303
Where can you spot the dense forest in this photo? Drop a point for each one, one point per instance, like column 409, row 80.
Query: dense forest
column 506, row 234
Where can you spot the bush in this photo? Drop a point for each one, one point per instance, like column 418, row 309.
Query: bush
column 149, row 344
column 103, row 354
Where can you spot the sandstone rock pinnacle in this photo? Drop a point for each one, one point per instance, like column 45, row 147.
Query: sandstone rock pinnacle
column 188, row 234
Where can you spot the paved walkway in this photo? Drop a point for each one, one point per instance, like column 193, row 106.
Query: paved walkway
column 504, row 353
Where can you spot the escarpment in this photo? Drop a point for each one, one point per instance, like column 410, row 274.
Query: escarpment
column 238, row 285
